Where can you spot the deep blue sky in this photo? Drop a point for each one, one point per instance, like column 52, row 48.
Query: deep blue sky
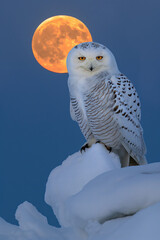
column 36, row 131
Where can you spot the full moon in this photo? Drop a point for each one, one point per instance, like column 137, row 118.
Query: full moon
column 54, row 38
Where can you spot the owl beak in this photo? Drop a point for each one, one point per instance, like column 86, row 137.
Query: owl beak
column 91, row 68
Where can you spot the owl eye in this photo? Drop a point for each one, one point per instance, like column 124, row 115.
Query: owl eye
column 82, row 58
column 99, row 57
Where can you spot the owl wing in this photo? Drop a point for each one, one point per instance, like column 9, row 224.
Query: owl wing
column 78, row 116
column 128, row 120
column 129, row 94
column 72, row 113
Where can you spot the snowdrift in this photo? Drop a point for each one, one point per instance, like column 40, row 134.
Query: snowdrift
column 94, row 199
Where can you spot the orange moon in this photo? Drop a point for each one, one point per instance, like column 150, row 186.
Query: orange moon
column 54, row 38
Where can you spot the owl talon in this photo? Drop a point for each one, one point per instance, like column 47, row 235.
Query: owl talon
column 83, row 148
column 108, row 148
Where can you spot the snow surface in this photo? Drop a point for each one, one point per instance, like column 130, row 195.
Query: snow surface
column 75, row 172
column 94, row 199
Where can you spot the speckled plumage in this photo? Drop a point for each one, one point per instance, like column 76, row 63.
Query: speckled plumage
column 105, row 103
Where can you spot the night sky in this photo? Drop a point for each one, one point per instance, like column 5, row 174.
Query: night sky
column 36, row 131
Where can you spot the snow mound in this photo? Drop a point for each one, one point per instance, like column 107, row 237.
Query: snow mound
column 113, row 194
column 144, row 225
column 75, row 172
column 32, row 226
column 92, row 186
column 94, row 199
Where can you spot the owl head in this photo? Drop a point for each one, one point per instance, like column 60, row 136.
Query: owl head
column 89, row 58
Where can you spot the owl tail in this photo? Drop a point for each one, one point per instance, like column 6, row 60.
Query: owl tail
column 139, row 161
column 132, row 162
column 143, row 160
column 127, row 160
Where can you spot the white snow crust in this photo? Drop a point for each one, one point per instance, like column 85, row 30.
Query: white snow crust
column 94, row 199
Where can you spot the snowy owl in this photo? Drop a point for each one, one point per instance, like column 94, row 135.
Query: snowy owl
column 105, row 103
